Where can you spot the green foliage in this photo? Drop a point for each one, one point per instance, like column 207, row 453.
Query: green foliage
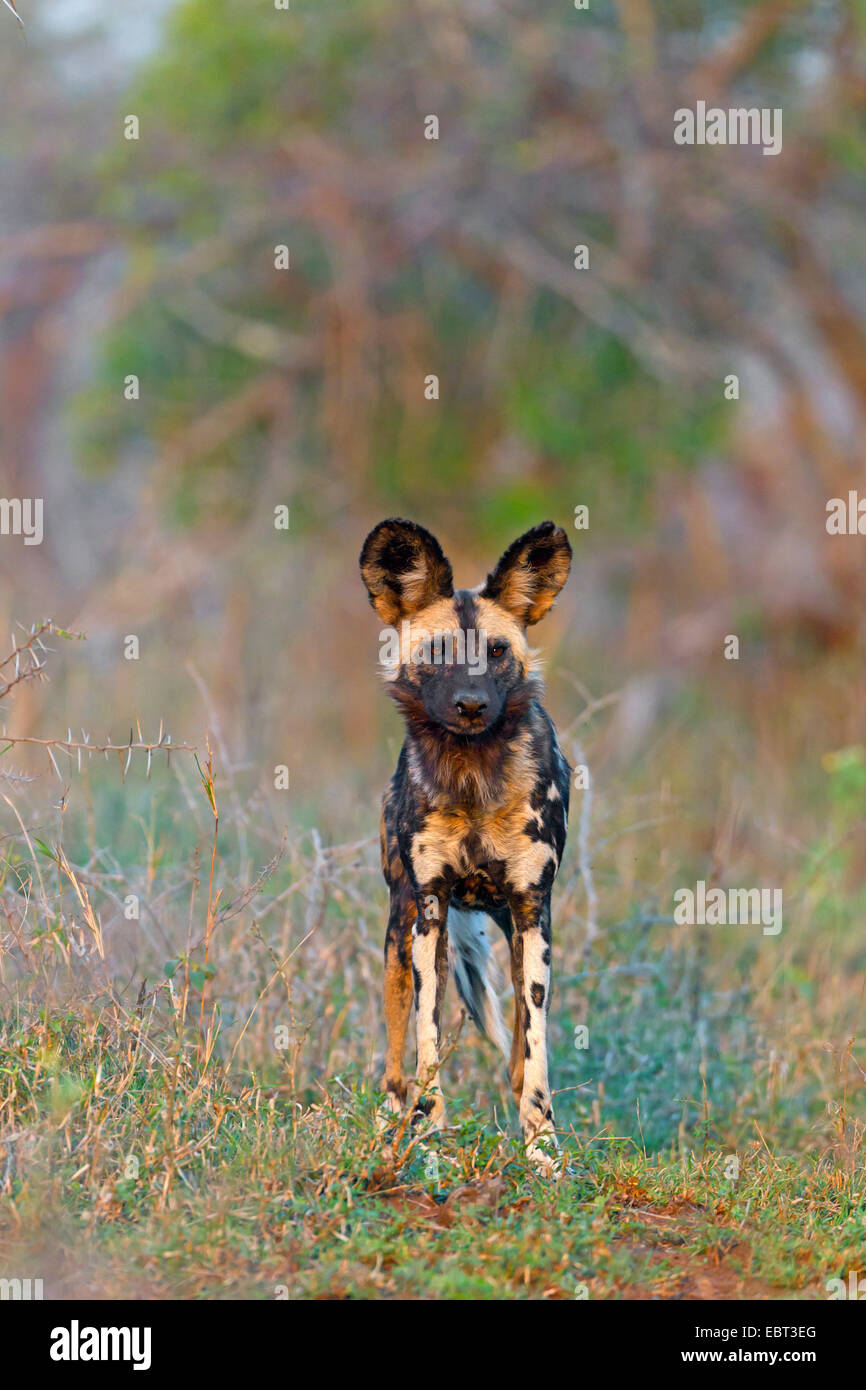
column 218, row 159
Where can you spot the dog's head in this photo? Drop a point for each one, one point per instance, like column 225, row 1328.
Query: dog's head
column 459, row 659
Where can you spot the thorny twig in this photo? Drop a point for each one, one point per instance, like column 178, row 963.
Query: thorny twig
column 29, row 667
column 27, row 663
column 72, row 747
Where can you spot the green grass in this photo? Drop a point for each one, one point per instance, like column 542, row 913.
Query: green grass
column 141, row 1174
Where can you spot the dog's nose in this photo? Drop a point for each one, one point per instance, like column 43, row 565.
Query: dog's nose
column 469, row 704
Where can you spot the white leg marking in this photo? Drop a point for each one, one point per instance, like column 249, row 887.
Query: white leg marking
column 424, row 962
column 535, row 1099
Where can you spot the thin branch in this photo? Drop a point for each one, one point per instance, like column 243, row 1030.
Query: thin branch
column 584, row 856
column 73, row 748
column 24, row 654
column 717, row 71
column 165, row 745
column 9, row 5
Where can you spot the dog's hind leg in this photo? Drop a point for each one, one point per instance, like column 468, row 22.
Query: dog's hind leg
column 502, row 918
column 398, row 990
column 518, row 1041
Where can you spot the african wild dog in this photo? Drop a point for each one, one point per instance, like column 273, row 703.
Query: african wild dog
column 474, row 820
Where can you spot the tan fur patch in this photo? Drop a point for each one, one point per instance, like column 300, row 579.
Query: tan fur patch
column 441, row 844
column 437, row 618
column 498, row 622
column 441, row 841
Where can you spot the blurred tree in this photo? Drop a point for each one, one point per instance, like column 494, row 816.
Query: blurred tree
column 456, row 257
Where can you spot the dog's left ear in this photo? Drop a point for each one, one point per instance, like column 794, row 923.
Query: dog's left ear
column 531, row 573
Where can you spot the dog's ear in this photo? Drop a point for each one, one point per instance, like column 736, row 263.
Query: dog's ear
column 531, row 573
column 404, row 569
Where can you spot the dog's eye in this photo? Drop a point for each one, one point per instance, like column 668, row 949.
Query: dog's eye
column 496, row 649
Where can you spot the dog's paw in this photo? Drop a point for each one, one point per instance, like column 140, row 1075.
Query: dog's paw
column 545, row 1163
column 542, row 1152
column 429, row 1113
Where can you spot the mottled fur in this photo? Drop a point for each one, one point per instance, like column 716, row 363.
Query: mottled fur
column 475, row 818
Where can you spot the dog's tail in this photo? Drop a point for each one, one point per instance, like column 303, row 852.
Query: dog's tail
column 475, row 970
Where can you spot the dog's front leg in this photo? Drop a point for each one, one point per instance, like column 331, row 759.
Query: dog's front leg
column 531, row 948
column 430, row 972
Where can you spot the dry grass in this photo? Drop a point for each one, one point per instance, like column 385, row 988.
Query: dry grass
column 188, row 1099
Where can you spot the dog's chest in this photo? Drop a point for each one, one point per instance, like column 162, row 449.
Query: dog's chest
column 488, row 852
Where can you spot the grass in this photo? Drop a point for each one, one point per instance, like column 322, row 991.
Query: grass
column 138, row 1172
column 188, row 1097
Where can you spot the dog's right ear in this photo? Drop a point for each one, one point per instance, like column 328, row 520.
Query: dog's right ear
column 404, row 569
